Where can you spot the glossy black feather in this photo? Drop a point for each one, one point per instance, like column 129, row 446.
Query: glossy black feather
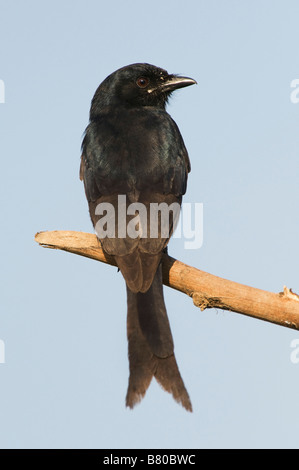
column 133, row 148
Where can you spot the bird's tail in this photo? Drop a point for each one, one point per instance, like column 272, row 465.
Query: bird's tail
column 151, row 346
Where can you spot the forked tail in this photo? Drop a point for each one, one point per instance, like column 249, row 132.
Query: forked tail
column 150, row 341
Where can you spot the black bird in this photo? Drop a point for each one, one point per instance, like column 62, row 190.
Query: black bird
column 133, row 148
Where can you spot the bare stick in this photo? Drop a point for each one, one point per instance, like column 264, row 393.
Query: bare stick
column 206, row 290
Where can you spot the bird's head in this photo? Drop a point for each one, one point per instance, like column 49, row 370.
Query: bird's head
column 137, row 85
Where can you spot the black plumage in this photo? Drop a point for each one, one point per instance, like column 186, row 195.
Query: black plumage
column 133, row 148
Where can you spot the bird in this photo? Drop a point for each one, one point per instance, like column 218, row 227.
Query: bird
column 133, row 157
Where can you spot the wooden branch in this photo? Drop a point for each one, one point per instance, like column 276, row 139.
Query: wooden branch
column 206, row 290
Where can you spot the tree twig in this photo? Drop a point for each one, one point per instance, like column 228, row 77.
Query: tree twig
column 206, row 290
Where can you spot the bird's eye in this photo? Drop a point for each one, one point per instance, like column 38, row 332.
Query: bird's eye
column 142, row 82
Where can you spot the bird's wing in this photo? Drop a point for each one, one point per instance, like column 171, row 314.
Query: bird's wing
column 147, row 168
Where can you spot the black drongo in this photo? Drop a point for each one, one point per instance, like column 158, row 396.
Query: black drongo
column 133, row 156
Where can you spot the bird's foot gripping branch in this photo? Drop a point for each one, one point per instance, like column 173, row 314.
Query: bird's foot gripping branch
column 134, row 167
column 133, row 150
column 206, row 290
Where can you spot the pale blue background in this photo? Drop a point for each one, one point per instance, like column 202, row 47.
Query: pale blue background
column 63, row 317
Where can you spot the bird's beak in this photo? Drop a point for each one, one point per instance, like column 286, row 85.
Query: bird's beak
column 173, row 82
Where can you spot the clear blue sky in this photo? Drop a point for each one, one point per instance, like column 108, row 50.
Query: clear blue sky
column 63, row 317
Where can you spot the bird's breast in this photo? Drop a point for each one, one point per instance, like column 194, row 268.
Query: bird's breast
column 131, row 151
